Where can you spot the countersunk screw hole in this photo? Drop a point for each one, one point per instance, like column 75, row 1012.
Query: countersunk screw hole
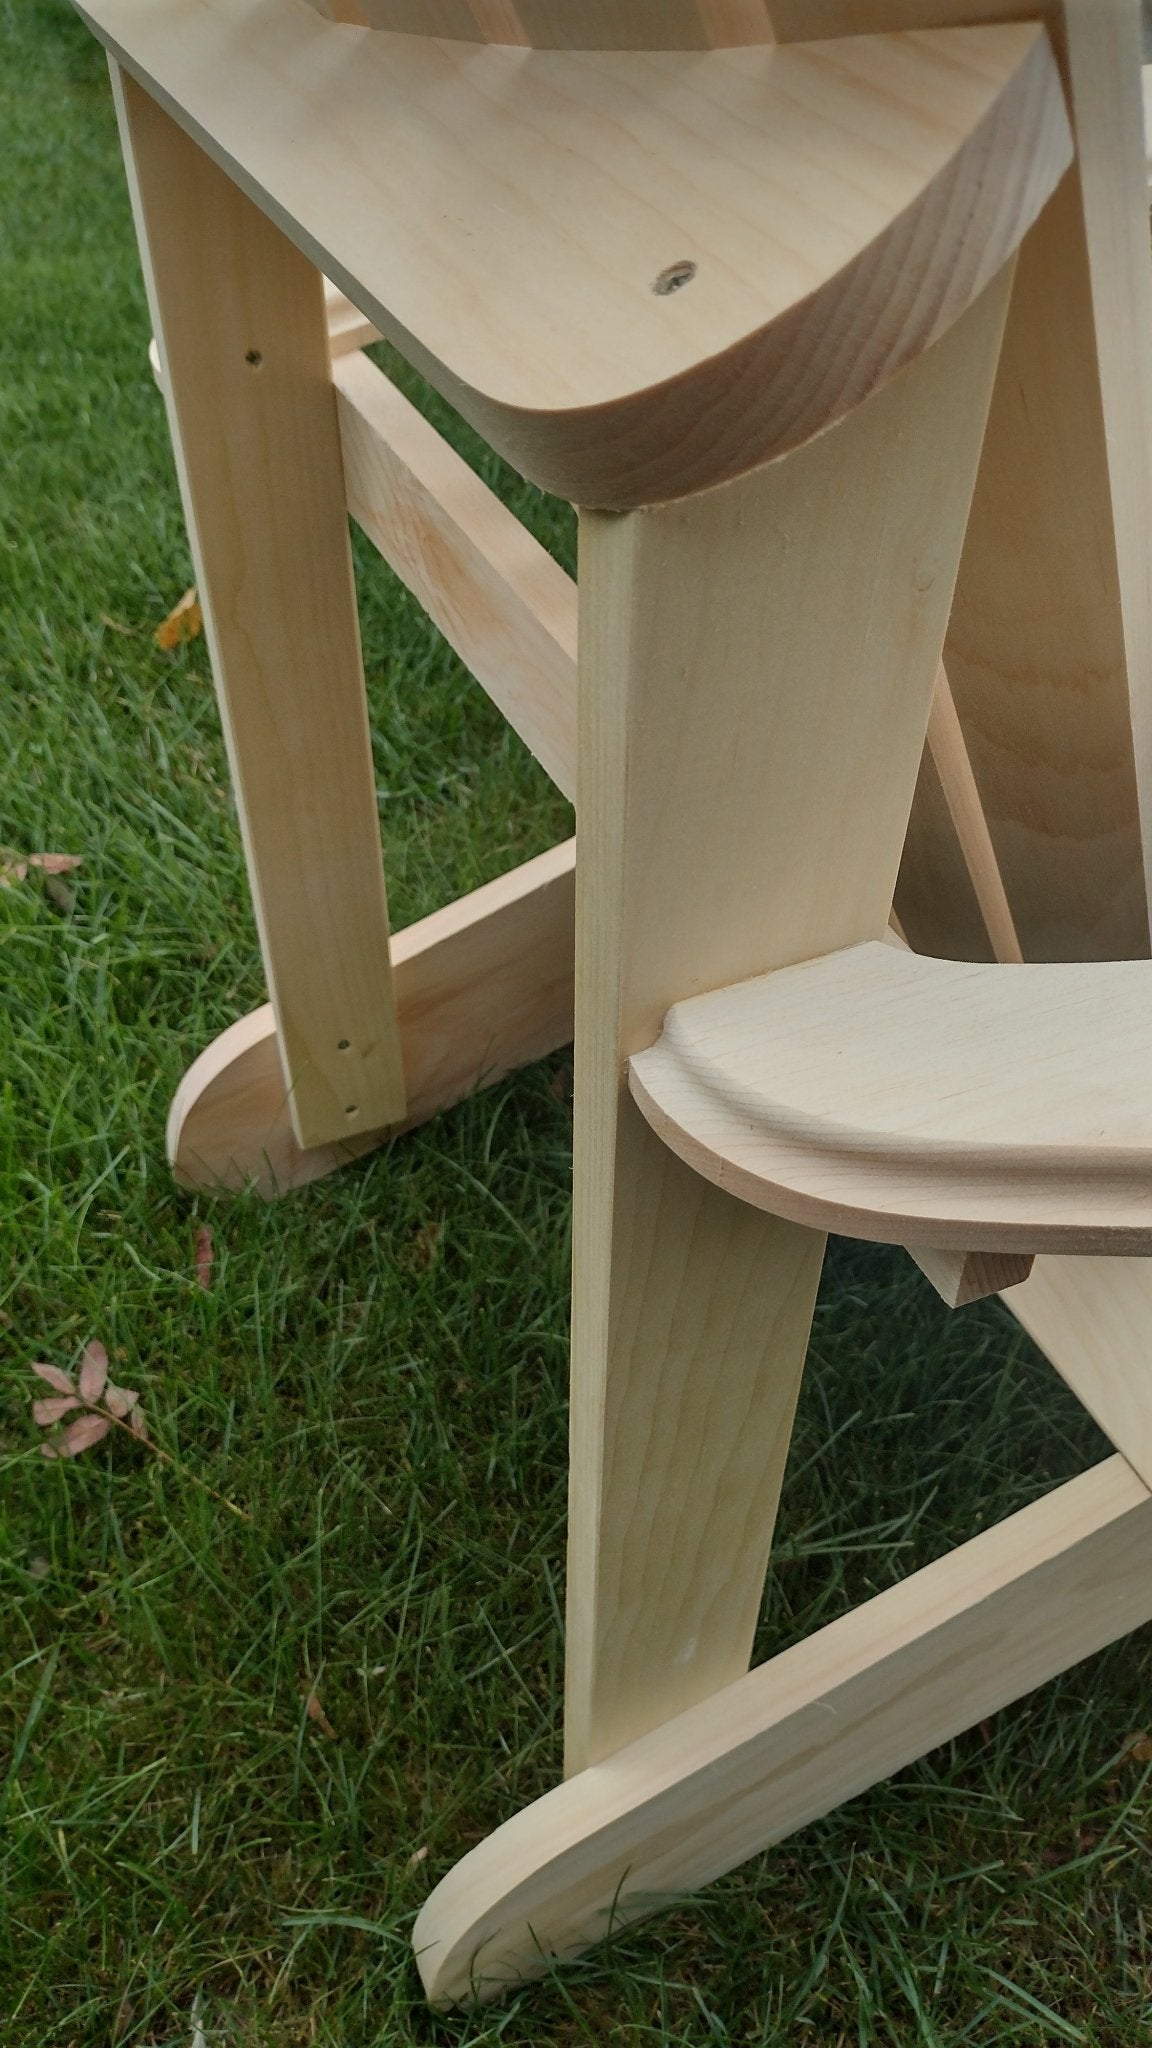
column 673, row 279
column 343, row 1044
column 254, row 358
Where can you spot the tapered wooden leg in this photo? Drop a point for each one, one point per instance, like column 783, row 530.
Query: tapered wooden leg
column 241, row 326
column 725, row 643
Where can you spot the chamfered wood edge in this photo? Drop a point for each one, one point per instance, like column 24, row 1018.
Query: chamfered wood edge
column 482, row 987
column 869, row 1693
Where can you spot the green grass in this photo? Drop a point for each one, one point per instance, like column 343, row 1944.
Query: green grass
column 386, row 1401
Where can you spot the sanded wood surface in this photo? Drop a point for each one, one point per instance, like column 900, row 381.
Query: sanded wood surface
column 875, row 1689
column 909, row 1099
column 568, row 24
column 1093, row 1318
column 240, row 324
column 482, row 986
column 471, row 203
column 961, row 1277
column 499, row 599
column 756, row 665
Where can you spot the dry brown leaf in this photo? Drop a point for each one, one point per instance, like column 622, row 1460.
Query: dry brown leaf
column 1138, row 1748
column 426, row 1243
column 205, row 1253
column 114, row 625
column 315, row 1712
column 418, row 1857
column 185, row 621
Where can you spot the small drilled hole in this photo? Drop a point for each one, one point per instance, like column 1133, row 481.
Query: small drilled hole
column 254, row 358
column 673, row 279
column 343, row 1044
column 352, row 1110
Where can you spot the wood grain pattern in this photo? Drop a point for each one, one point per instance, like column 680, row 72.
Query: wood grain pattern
column 483, row 986
column 875, row 1689
column 240, row 323
column 570, row 24
column 1092, row 1317
column 499, row 599
column 917, row 1100
column 729, row 822
column 429, row 179
column 953, row 766
column 963, row 1277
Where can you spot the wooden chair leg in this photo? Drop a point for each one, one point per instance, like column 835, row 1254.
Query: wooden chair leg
column 241, row 326
column 715, row 636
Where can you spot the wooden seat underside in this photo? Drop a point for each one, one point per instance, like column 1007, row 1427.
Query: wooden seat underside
column 916, row 1100
column 513, row 218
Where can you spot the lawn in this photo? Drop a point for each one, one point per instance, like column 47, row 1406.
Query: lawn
column 375, row 1376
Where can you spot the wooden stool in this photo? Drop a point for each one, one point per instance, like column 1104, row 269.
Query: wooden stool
column 756, row 306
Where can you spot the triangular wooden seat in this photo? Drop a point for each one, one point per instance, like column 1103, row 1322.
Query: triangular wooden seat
column 906, row 1099
column 564, row 240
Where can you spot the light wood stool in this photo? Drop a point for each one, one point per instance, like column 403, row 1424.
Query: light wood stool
column 838, row 314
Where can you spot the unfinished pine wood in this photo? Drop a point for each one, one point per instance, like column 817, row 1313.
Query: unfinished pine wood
column 871, row 1692
column 430, row 179
column 915, row 1100
column 239, row 320
column 499, row 599
column 754, row 665
column 1036, row 651
column 1092, row 1317
column 348, row 328
column 963, row 1277
column 1104, row 47
column 482, row 986
column 949, row 753
column 570, row 24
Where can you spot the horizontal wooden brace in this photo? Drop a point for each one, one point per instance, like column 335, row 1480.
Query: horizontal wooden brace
column 818, row 1724
column 502, row 603
column 482, row 986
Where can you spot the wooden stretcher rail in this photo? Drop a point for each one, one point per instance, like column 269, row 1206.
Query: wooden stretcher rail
column 817, row 1725
column 502, row 603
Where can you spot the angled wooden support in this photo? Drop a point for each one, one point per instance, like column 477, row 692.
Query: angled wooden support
column 505, row 607
column 911, row 1668
column 239, row 320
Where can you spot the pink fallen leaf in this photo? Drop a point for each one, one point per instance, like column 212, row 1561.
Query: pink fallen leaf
column 55, row 863
column 138, row 1424
column 14, row 866
column 82, row 1434
column 45, row 1413
column 316, row 1713
column 119, row 1401
column 53, row 1377
column 93, row 1372
column 205, row 1253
